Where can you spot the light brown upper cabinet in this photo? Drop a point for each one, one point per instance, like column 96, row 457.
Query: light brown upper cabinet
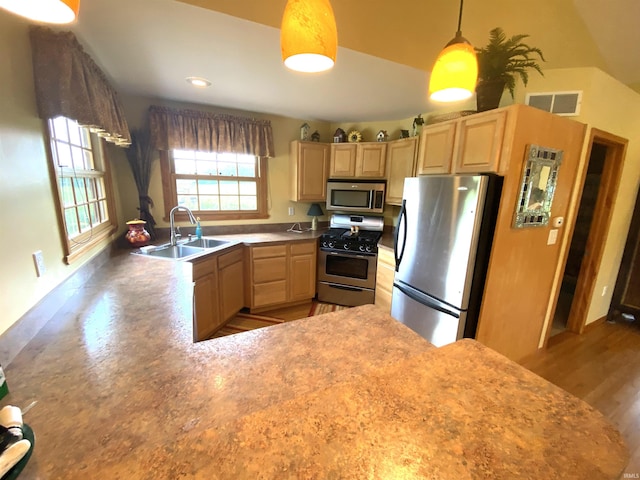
column 358, row 160
column 435, row 152
column 471, row 144
column 479, row 142
column 401, row 163
column 309, row 165
column 343, row 160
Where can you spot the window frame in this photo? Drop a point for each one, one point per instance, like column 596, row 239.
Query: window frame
column 77, row 247
column 169, row 190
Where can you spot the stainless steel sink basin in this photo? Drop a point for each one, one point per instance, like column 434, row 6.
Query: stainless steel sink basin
column 175, row 252
column 206, row 243
column 186, row 250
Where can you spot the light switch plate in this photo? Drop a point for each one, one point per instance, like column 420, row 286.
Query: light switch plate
column 553, row 237
column 38, row 260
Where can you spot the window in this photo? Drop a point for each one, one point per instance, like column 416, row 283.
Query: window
column 215, row 185
column 84, row 189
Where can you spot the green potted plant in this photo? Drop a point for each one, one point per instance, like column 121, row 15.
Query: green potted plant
column 500, row 62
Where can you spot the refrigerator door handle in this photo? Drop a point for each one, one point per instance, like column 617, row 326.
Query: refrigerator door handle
column 401, row 216
column 425, row 301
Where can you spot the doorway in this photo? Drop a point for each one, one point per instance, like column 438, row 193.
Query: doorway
column 600, row 182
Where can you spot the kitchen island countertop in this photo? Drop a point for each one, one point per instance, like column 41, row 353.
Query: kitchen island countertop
column 123, row 393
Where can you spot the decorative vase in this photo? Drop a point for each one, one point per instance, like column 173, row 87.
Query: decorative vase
column 488, row 94
column 137, row 236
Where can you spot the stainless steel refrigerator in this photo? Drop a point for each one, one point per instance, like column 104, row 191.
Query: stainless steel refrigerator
column 442, row 245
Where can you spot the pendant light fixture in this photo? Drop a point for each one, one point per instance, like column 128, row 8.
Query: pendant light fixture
column 308, row 36
column 46, row 11
column 455, row 72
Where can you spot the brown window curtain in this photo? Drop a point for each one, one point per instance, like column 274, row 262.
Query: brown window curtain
column 194, row 130
column 140, row 157
column 69, row 83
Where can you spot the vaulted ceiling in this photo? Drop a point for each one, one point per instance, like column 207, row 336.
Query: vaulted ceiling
column 149, row 47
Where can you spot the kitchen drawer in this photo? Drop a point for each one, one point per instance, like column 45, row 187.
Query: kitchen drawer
column 302, row 248
column 269, row 269
column 269, row 251
column 269, row 293
column 203, row 267
column 230, row 258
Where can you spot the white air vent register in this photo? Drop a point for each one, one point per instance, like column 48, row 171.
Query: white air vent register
column 560, row 103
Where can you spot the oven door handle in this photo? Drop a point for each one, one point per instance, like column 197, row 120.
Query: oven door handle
column 402, row 221
column 345, row 287
column 351, row 254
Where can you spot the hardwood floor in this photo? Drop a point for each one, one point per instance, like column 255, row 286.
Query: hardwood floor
column 602, row 367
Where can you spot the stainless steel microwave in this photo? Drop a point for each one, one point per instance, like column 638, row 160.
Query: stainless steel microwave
column 356, row 196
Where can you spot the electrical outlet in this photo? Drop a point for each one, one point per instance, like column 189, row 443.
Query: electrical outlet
column 38, row 260
column 291, row 211
column 604, row 290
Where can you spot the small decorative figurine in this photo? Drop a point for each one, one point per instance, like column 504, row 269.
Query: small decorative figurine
column 304, row 131
column 417, row 122
column 339, row 136
column 404, row 133
column 382, row 136
column 315, row 136
column 137, row 235
column 355, row 136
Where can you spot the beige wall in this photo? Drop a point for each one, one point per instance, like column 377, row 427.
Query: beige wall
column 613, row 107
column 284, row 131
column 28, row 216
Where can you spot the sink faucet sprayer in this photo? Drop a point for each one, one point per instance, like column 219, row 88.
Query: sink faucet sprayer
column 192, row 219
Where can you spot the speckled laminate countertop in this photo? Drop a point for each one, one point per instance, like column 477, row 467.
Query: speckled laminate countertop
column 123, row 393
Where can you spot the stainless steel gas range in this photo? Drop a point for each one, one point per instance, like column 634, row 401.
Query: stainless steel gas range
column 347, row 260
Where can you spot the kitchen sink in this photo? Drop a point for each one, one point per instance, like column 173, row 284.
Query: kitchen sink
column 184, row 251
column 173, row 252
column 206, row 243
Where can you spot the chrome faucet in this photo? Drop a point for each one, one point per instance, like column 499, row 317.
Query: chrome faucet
column 172, row 227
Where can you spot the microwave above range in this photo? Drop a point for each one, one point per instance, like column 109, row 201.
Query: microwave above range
column 356, row 196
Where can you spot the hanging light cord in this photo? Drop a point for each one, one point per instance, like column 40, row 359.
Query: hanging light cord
column 459, row 32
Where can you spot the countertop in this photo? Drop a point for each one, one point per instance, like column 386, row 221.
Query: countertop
column 271, row 237
column 123, row 393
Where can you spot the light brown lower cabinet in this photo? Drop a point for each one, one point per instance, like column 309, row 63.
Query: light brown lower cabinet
column 280, row 274
column 218, row 291
column 231, row 283
column 384, row 278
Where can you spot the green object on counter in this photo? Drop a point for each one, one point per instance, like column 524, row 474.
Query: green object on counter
column 4, row 388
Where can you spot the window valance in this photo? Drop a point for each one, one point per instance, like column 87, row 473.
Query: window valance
column 69, row 83
column 195, row 130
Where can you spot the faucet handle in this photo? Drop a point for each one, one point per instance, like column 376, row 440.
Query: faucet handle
column 178, row 234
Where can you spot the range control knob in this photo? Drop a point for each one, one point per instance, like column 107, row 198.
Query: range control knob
column 331, row 244
column 362, row 248
column 346, row 246
column 368, row 248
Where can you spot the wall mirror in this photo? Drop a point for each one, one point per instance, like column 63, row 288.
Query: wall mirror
column 538, row 185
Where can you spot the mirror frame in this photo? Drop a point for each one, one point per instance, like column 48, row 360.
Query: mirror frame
column 536, row 159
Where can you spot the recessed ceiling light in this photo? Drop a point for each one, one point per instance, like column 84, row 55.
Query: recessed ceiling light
column 198, row 82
